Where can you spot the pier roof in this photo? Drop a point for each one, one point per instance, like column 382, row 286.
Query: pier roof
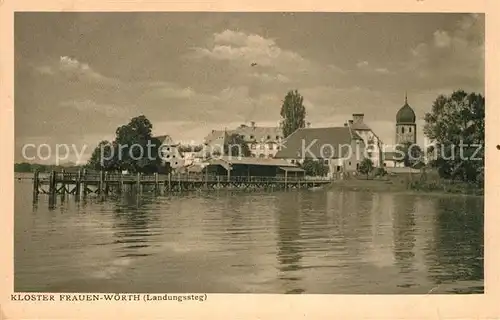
column 254, row 161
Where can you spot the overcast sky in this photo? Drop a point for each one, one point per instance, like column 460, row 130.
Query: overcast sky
column 78, row 76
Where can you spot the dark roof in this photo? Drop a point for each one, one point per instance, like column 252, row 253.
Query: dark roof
column 405, row 114
column 360, row 126
column 323, row 142
column 249, row 133
column 256, row 161
column 292, row 169
column 227, row 162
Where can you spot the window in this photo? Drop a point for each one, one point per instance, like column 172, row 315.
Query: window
column 253, row 146
column 292, row 161
column 338, row 168
column 409, row 129
column 277, row 137
column 326, row 161
column 251, row 137
column 270, row 146
column 262, row 146
column 403, row 130
column 349, row 162
column 268, row 137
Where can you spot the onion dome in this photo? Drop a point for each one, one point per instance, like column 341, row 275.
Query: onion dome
column 405, row 114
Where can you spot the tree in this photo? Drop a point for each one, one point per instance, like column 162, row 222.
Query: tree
column 409, row 153
column 314, row 168
column 293, row 113
column 366, row 166
column 134, row 149
column 137, row 151
column 23, row 167
column 456, row 127
column 103, row 157
column 236, row 146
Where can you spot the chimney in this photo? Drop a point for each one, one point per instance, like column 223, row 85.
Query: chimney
column 358, row 117
column 345, row 124
column 253, row 124
column 308, row 124
column 350, row 122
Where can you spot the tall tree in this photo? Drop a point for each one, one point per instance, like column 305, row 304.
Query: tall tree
column 133, row 149
column 103, row 157
column 236, row 146
column 138, row 151
column 293, row 113
column 456, row 126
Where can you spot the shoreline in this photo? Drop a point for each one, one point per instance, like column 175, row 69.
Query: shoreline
column 390, row 187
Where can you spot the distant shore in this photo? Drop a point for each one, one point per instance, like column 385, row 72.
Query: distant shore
column 401, row 186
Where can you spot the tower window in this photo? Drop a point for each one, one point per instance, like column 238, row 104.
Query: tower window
column 409, row 129
column 403, row 130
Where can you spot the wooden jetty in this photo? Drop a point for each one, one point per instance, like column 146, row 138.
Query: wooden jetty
column 83, row 183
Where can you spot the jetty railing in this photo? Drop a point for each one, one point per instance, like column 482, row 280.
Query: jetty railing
column 102, row 182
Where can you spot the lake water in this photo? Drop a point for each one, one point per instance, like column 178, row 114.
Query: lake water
column 282, row 242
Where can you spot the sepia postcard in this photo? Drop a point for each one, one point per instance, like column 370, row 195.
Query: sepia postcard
column 250, row 160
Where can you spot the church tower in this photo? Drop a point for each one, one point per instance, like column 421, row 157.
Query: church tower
column 406, row 128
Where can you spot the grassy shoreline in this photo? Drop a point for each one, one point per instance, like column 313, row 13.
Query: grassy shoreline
column 402, row 186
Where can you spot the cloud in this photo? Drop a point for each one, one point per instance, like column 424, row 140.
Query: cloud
column 75, row 71
column 442, row 39
column 89, row 106
column 453, row 58
column 362, row 64
column 382, row 70
column 270, row 77
column 244, row 49
column 163, row 89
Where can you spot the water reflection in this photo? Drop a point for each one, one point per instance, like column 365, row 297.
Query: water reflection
column 131, row 226
column 404, row 236
column 288, row 233
column 458, row 242
column 279, row 242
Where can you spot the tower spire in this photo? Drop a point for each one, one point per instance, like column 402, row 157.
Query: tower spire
column 406, row 97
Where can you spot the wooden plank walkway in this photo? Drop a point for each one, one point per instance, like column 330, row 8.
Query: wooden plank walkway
column 83, row 183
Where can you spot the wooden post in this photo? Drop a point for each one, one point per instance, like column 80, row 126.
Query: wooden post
column 63, row 184
column 156, row 182
column 100, row 184
column 206, row 178
column 78, row 184
column 52, row 183
column 35, row 184
column 138, row 182
column 120, row 183
column 179, row 181
column 106, row 183
column 169, row 181
column 286, row 176
column 84, row 174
